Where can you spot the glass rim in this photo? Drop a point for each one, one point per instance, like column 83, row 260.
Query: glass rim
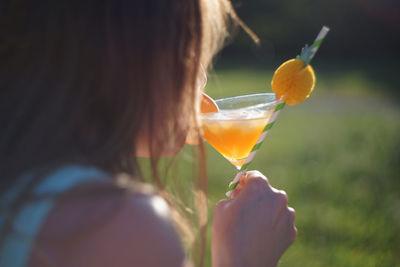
column 261, row 105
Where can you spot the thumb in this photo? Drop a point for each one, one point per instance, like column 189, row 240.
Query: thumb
column 222, row 204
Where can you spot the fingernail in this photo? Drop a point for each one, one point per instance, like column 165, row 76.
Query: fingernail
column 237, row 178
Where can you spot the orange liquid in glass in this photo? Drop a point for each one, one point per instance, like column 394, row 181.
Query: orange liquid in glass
column 234, row 138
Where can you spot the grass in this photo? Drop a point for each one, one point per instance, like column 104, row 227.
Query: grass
column 337, row 155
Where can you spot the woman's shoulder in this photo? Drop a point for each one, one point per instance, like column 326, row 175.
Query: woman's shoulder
column 105, row 224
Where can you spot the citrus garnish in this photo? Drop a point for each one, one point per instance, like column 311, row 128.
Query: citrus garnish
column 207, row 105
column 293, row 81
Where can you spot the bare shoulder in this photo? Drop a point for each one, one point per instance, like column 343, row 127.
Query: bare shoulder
column 118, row 228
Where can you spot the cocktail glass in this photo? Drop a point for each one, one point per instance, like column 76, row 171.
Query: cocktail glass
column 235, row 128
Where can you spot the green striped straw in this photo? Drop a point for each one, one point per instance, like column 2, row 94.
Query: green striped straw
column 280, row 105
column 307, row 53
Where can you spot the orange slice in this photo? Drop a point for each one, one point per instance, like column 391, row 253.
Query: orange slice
column 207, row 105
column 293, row 82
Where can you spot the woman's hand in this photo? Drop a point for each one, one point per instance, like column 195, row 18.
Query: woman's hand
column 253, row 228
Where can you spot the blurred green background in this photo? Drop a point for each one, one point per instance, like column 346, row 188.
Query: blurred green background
column 337, row 154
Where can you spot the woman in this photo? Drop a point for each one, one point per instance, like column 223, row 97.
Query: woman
column 88, row 87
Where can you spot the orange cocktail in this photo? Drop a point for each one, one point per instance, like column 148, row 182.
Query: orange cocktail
column 233, row 136
column 236, row 127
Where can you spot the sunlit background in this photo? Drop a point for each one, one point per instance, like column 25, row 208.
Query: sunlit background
column 337, row 155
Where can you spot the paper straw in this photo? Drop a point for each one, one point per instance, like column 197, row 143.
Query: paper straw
column 280, row 105
column 317, row 43
column 256, row 147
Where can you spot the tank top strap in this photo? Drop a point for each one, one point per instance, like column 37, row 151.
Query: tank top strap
column 17, row 246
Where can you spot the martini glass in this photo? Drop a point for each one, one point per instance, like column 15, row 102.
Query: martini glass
column 236, row 127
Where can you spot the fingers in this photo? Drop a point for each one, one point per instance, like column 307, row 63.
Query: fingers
column 292, row 230
column 291, row 214
column 254, row 182
column 251, row 183
column 258, row 212
column 221, row 204
column 255, row 185
column 256, row 174
column 282, row 197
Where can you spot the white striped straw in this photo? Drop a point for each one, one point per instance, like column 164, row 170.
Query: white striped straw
column 317, row 43
column 309, row 54
column 279, row 106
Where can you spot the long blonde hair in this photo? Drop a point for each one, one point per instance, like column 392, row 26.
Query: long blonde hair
column 80, row 78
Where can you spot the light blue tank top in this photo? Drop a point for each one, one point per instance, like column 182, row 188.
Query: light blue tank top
column 17, row 246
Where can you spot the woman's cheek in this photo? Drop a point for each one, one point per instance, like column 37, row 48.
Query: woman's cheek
column 176, row 145
column 165, row 145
